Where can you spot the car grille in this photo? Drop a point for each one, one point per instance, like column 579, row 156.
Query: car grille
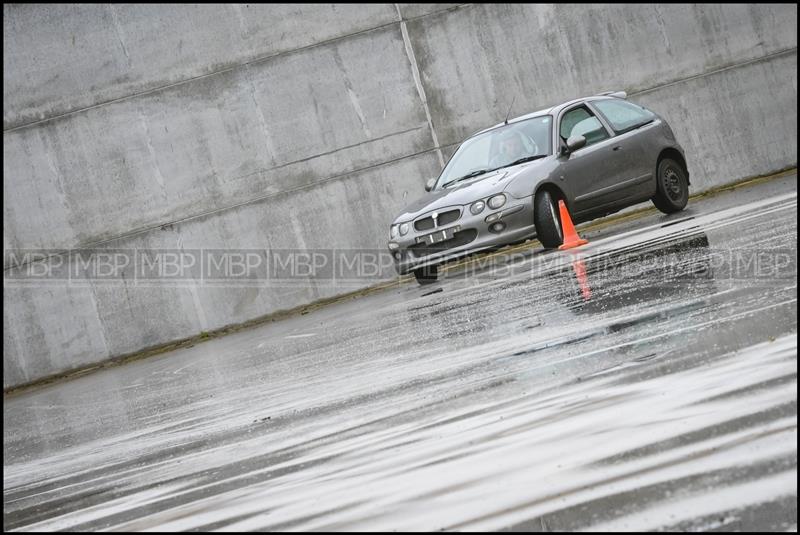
column 460, row 238
column 445, row 218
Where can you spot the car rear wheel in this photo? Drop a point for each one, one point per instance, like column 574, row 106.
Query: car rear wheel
column 427, row 274
column 672, row 187
column 548, row 224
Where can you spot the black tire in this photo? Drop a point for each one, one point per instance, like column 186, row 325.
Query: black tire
column 427, row 275
column 672, row 187
column 548, row 224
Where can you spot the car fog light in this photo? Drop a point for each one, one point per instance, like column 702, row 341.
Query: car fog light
column 477, row 207
column 404, row 229
column 497, row 201
column 393, row 246
column 493, row 217
column 397, row 256
column 497, row 227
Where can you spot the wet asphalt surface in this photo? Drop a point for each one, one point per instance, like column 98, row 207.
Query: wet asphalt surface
column 645, row 381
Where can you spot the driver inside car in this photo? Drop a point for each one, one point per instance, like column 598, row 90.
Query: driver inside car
column 511, row 148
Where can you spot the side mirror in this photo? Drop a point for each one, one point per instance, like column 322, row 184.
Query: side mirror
column 575, row 142
column 429, row 184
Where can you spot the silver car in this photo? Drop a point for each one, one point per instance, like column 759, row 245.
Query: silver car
column 599, row 154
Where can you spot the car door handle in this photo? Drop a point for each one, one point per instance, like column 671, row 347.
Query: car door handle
column 618, row 147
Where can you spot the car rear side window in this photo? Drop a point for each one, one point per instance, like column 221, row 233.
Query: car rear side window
column 581, row 122
column 623, row 115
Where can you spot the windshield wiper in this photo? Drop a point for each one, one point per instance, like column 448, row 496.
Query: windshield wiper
column 523, row 160
column 484, row 171
column 468, row 175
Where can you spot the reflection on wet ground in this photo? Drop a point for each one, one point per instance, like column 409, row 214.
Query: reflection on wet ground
column 645, row 381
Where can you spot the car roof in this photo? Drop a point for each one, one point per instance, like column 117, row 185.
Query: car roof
column 552, row 110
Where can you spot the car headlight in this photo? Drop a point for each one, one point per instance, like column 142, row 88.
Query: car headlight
column 497, row 201
column 477, row 207
column 404, row 229
column 394, row 231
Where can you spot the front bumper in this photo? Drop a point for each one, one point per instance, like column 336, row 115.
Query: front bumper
column 474, row 236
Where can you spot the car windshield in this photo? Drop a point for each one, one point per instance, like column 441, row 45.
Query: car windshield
column 501, row 147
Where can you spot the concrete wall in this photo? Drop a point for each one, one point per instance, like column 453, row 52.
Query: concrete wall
column 290, row 126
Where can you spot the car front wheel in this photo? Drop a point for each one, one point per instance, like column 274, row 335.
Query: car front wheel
column 672, row 187
column 427, row 274
column 548, row 224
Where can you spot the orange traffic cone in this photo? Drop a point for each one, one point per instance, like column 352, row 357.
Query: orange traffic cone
column 571, row 238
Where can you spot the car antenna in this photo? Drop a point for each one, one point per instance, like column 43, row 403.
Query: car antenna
column 509, row 108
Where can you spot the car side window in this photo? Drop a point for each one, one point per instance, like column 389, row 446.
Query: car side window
column 581, row 122
column 623, row 115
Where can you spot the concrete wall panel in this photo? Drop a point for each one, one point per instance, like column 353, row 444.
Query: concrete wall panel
column 61, row 58
column 59, row 326
column 474, row 61
column 734, row 123
column 272, row 126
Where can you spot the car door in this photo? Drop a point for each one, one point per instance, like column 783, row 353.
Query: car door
column 629, row 123
column 590, row 173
